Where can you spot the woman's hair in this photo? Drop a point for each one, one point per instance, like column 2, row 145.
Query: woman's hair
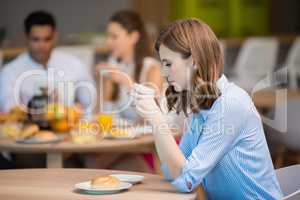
column 131, row 21
column 192, row 37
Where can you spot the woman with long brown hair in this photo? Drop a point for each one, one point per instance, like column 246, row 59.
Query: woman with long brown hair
column 224, row 148
column 131, row 60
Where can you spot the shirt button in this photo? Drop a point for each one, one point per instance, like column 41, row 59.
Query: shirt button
column 189, row 185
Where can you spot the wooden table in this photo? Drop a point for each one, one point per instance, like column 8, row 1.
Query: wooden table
column 46, row 184
column 54, row 152
column 267, row 99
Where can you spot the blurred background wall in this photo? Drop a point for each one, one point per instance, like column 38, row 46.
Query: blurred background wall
column 73, row 16
column 228, row 18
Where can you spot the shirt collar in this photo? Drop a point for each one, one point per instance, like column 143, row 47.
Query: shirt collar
column 36, row 64
column 222, row 82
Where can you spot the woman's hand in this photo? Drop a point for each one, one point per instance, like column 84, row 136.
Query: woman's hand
column 146, row 103
column 104, row 68
column 116, row 75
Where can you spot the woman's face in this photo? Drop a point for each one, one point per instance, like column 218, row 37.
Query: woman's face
column 175, row 68
column 119, row 41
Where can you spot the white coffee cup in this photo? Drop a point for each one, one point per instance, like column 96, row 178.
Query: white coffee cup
column 136, row 88
column 146, row 90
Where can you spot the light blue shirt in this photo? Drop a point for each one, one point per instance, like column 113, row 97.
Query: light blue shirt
column 226, row 150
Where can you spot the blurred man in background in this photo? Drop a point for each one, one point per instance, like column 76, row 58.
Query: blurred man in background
column 42, row 66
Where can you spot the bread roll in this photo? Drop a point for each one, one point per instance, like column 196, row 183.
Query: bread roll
column 11, row 130
column 105, row 181
column 3, row 117
column 30, row 130
column 45, row 135
column 120, row 133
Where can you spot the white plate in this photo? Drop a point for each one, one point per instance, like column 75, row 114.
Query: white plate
column 86, row 187
column 129, row 178
column 38, row 141
column 134, row 132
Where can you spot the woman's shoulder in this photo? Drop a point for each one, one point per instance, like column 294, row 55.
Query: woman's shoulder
column 233, row 102
column 151, row 67
column 236, row 96
column 150, row 62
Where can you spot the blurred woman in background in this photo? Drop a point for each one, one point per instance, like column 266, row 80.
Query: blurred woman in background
column 130, row 61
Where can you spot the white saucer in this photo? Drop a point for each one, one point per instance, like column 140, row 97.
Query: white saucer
column 129, row 178
column 86, row 187
column 37, row 141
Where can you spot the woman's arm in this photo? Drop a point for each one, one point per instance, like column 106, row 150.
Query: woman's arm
column 114, row 74
column 219, row 133
column 108, row 76
column 166, row 146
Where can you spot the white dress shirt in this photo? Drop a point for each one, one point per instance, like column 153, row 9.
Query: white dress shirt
column 64, row 74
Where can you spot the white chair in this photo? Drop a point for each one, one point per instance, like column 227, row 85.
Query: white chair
column 293, row 63
column 224, row 50
column 291, row 139
column 285, row 130
column 256, row 59
column 289, row 181
column 85, row 53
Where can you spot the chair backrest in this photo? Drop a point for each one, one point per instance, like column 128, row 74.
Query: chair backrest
column 256, row 59
column 85, row 53
column 291, row 139
column 286, row 124
column 289, row 181
column 223, row 49
column 294, row 196
column 293, row 63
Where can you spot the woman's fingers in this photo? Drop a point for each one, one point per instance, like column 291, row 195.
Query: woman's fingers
column 100, row 67
column 143, row 98
column 104, row 66
column 142, row 90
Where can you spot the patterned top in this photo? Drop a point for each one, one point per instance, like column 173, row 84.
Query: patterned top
column 226, row 150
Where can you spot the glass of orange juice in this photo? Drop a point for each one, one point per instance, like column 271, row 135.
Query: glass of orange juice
column 105, row 122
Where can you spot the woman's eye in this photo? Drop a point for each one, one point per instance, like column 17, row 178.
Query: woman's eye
column 165, row 69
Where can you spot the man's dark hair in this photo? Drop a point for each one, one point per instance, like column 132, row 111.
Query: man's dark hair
column 38, row 18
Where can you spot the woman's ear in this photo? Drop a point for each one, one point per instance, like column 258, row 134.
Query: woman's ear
column 135, row 36
column 191, row 62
